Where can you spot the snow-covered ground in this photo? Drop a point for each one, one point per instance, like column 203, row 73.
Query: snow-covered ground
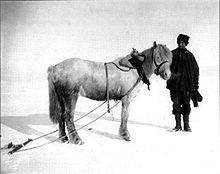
column 153, row 148
column 37, row 34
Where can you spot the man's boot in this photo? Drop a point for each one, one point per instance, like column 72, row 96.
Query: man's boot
column 178, row 123
column 186, row 123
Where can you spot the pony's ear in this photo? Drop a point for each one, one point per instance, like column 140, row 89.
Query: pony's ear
column 154, row 44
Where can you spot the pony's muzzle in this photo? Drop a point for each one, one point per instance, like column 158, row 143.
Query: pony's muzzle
column 165, row 72
column 166, row 75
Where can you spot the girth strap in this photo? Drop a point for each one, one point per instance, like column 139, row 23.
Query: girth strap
column 129, row 91
column 107, row 87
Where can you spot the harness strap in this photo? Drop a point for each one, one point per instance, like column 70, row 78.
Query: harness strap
column 136, row 83
column 107, row 87
column 125, row 70
column 143, row 78
column 129, row 91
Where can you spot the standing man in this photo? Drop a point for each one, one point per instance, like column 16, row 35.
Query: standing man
column 183, row 83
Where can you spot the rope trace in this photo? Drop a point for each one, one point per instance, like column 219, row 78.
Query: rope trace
column 18, row 147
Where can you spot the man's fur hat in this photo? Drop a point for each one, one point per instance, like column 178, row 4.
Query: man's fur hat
column 184, row 38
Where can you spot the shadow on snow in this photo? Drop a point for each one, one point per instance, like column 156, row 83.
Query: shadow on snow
column 22, row 124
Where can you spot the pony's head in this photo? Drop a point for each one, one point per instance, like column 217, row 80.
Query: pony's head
column 162, row 58
column 157, row 59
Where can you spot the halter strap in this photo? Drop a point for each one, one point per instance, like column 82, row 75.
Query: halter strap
column 157, row 70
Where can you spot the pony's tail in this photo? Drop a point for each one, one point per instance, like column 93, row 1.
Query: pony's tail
column 54, row 103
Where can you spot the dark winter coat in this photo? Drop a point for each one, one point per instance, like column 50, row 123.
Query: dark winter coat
column 185, row 71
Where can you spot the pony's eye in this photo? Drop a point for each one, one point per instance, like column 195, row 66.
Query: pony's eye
column 159, row 58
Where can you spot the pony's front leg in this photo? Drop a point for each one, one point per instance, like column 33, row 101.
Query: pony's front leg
column 123, row 131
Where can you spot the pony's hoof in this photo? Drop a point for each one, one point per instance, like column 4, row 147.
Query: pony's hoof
column 80, row 142
column 63, row 139
column 176, row 129
column 127, row 138
column 125, row 135
column 77, row 140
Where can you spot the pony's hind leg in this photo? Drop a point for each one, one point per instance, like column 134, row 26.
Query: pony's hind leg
column 69, row 119
column 61, row 120
column 123, row 131
column 62, row 133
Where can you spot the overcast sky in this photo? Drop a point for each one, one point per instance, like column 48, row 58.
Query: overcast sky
column 37, row 34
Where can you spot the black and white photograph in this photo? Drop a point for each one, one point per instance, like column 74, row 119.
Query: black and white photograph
column 110, row 87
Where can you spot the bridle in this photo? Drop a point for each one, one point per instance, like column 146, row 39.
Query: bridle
column 157, row 69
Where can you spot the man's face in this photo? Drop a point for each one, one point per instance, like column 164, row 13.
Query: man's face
column 181, row 45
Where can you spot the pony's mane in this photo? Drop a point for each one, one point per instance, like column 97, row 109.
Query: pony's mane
column 164, row 50
column 148, row 53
